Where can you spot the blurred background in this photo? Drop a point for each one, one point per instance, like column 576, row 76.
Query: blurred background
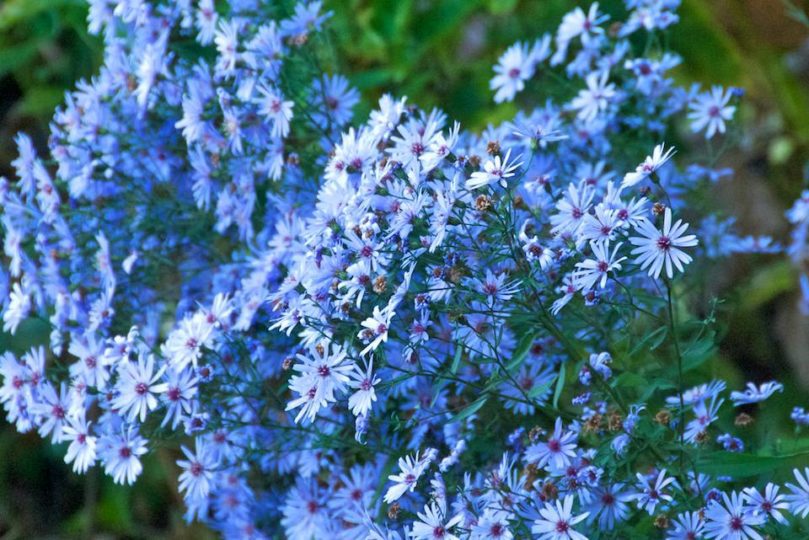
column 440, row 53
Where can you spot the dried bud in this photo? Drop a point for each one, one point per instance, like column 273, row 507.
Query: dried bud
column 483, row 203
column 743, row 420
column 393, row 511
column 658, row 208
column 702, row 437
column 380, row 284
column 549, row 491
column 662, row 521
column 663, row 417
column 535, row 433
column 493, row 148
column 287, row 364
column 474, row 161
column 615, row 421
column 455, row 274
column 592, row 424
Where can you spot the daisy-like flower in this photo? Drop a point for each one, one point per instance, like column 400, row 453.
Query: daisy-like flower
column 710, row 110
column 184, row 344
column 558, row 450
column 609, row 506
column 492, row 525
column 137, row 386
column 19, row 306
column 572, row 209
column 494, row 170
column 273, row 107
column 706, row 414
column 338, row 98
column 732, row 520
column 434, row 525
column 363, row 383
column 320, row 374
column 410, row 469
column 660, row 156
column 514, row 67
column 601, row 224
column 121, row 455
column 197, row 474
column 495, row 288
column 770, row 503
column 592, row 271
column 799, row 498
column 376, row 330
column 652, row 492
column 556, row 521
column 756, row 394
column 694, row 395
column 686, row 526
column 595, row 98
column 82, row 449
column 656, row 249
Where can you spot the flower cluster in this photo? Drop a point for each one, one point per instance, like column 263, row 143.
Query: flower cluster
column 389, row 329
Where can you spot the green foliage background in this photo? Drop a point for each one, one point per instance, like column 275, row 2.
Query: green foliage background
column 439, row 53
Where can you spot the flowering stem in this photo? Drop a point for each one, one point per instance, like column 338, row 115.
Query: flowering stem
column 673, row 327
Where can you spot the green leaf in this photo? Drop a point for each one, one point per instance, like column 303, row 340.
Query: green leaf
column 650, row 341
column 521, row 351
column 540, row 389
column 560, row 384
column 699, row 352
column 456, row 360
column 470, row 409
column 745, row 465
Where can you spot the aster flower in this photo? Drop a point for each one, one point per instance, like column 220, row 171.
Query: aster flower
column 338, row 100
column 82, row 449
column 692, row 396
column 659, row 248
column 769, row 503
column 592, row 271
column 756, row 394
column 609, row 506
column 273, row 107
column 434, row 525
column 410, row 469
column 321, row 374
column 731, row 519
column 799, row 498
column 660, row 156
column 19, row 306
column 686, row 526
column 514, row 67
column 198, row 467
column 492, row 525
column 595, row 98
column 120, row 453
column 376, row 330
column 710, row 110
column 556, row 521
column 137, row 386
column 363, row 382
column 706, row 413
column 652, row 491
column 494, row 170
column 557, row 451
